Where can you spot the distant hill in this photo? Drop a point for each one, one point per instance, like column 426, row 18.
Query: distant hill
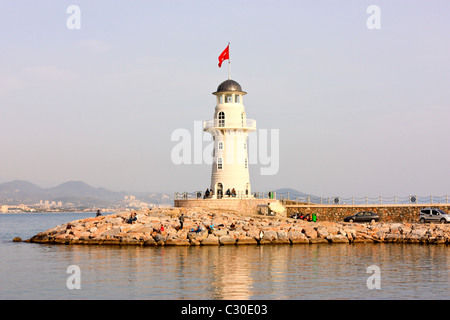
column 80, row 193
column 19, row 191
column 83, row 190
column 293, row 194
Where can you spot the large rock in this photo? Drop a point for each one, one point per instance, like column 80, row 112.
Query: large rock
column 317, row 240
column 296, row 237
column 197, row 235
column 220, row 232
column 419, row 232
column 129, row 241
column 112, row 242
column 310, row 232
column 282, row 238
column 254, row 233
column 211, row 240
column 337, row 238
column 226, row 240
column 269, row 236
column 111, row 232
column 393, row 237
column 149, row 240
column 144, row 229
column 159, row 239
column 246, row 240
column 177, row 242
column 322, row 232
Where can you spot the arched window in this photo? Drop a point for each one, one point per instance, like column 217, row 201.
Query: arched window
column 219, row 163
column 220, row 145
column 221, row 117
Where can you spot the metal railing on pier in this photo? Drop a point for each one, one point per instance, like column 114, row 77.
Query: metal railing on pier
column 334, row 200
column 339, row 200
column 203, row 195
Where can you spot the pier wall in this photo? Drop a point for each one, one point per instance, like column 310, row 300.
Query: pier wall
column 387, row 212
column 240, row 205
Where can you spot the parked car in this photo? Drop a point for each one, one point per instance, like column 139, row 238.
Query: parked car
column 433, row 214
column 363, row 216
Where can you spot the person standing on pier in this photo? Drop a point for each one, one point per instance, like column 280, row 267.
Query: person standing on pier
column 181, row 218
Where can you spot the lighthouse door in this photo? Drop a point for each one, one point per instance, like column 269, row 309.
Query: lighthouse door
column 219, row 190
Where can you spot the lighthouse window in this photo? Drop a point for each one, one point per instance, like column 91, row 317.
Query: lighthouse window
column 219, row 163
column 246, row 163
column 221, row 119
column 237, row 99
column 228, row 98
column 220, row 145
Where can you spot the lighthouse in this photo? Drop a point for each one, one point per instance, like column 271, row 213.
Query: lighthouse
column 229, row 129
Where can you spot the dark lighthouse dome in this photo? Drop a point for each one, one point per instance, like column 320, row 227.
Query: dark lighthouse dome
column 229, row 86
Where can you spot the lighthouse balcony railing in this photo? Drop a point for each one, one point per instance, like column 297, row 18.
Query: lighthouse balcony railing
column 217, row 123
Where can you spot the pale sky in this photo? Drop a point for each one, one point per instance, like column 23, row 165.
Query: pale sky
column 359, row 111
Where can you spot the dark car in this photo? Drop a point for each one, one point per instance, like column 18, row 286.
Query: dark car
column 363, row 216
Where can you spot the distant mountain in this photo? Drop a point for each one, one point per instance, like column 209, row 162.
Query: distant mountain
column 19, row 186
column 294, row 194
column 83, row 190
column 77, row 192
column 80, row 193
column 19, row 190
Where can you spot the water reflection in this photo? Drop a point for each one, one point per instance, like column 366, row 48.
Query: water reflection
column 228, row 272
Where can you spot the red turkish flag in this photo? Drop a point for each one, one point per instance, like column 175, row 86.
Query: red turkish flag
column 224, row 55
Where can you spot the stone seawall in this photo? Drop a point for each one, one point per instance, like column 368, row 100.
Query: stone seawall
column 387, row 213
column 231, row 228
column 226, row 203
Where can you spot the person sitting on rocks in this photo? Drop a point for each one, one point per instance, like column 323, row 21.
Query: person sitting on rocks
column 206, row 194
column 132, row 218
column 233, row 192
column 210, row 228
column 228, row 193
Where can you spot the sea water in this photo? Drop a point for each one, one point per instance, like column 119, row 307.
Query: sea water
column 321, row 271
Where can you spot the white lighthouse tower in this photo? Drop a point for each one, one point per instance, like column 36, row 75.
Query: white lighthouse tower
column 230, row 128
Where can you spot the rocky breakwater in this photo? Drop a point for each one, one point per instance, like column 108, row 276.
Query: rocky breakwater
column 159, row 227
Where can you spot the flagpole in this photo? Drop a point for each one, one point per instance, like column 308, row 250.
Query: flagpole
column 229, row 63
